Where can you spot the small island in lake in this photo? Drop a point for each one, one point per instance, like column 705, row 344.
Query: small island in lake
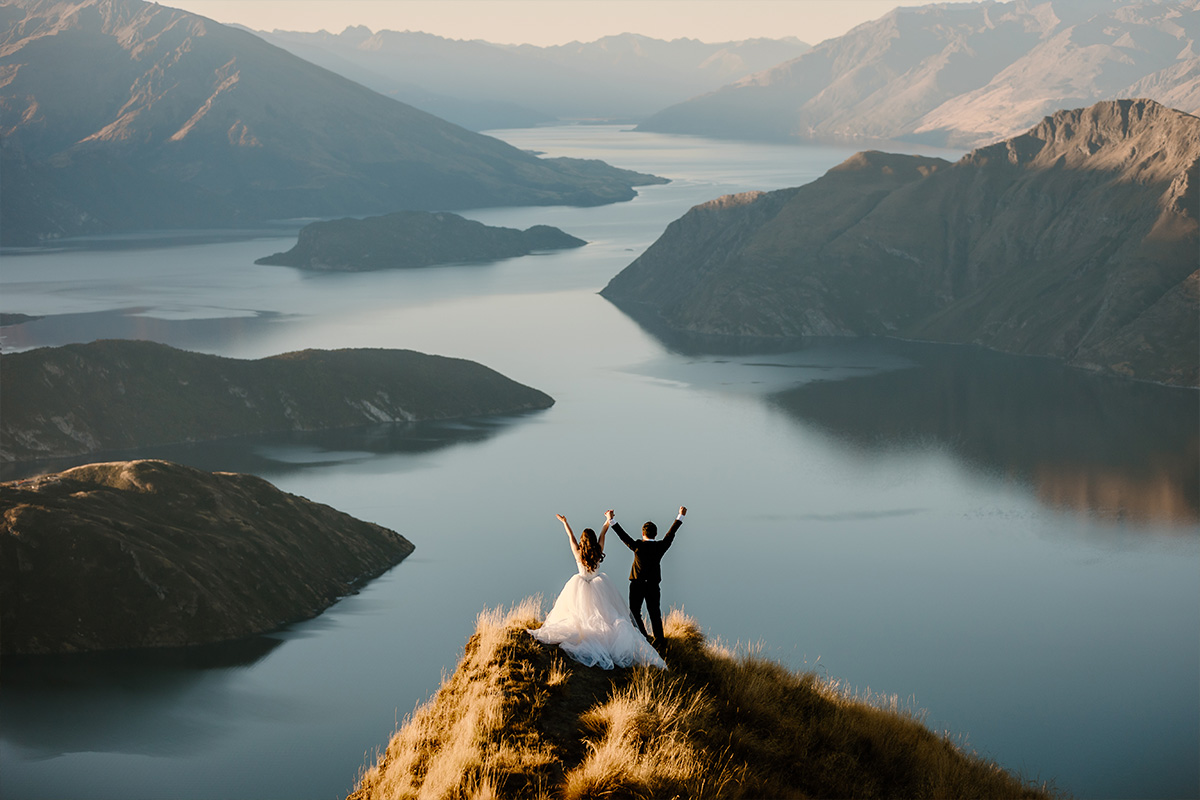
column 408, row 239
column 117, row 394
column 153, row 554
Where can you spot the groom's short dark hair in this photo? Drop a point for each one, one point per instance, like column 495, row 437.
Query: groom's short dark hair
column 649, row 530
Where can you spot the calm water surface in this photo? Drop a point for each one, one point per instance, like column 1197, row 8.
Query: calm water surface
column 1006, row 544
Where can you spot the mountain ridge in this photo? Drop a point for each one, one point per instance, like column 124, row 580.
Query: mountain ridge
column 519, row 719
column 125, row 115
column 484, row 85
column 1076, row 240
column 959, row 75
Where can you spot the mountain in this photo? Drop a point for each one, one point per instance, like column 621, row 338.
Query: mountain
column 153, row 554
column 115, row 394
column 481, row 85
column 519, row 719
column 960, row 74
column 121, row 115
column 1076, row 240
column 413, row 239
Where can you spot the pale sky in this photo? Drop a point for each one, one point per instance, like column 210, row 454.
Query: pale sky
column 546, row 22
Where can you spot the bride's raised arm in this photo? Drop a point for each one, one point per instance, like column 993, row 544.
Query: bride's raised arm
column 570, row 535
column 608, row 518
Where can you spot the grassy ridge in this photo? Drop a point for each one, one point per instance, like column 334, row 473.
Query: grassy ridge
column 518, row 719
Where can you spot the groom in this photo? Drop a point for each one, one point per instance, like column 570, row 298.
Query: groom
column 645, row 576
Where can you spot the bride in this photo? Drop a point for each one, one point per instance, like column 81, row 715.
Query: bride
column 589, row 619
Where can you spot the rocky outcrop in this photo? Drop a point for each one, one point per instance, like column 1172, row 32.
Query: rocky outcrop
column 107, row 395
column 413, row 239
column 120, row 115
column 153, row 554
column 1076, row 240
column 959, row 74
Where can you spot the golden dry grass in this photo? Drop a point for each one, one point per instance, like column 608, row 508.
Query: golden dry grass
column 517, row 719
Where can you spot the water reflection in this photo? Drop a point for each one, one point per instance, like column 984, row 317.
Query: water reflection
column 113, row 702
column 1102, row 446
column 190, row 329
column 285, row 452
column 156, row 239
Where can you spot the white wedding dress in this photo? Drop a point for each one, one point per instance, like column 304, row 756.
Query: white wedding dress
column 592, row 624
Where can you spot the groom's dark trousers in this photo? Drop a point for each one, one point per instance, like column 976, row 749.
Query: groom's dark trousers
column 645, row 576
column 650, row 593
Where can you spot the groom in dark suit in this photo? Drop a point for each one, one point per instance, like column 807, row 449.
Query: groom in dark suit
column 645, row 575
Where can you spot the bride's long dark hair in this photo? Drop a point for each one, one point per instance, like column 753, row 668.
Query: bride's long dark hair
column 589, row 550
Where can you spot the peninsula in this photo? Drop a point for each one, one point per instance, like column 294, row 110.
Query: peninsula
column 412, row 239
column 117, row 394
column 153, row 554
column 1076, row 240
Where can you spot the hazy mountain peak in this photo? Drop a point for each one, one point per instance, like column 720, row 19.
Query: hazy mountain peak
column 960, row 74
column 133, row 24
column 1141, row 140
column 356, row 33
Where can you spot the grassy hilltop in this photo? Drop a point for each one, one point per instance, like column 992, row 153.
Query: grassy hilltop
column 518, row 719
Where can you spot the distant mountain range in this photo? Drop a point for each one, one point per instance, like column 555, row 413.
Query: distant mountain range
column 482, row 85
column 1077, row 239
column 121, row 114
column 960, row 74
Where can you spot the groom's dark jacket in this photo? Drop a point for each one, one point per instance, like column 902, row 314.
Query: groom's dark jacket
column 647, row 552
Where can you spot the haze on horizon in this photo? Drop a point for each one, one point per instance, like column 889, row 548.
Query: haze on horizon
column 552, row 22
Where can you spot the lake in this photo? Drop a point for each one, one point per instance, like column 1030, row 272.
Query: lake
column 1009, row 546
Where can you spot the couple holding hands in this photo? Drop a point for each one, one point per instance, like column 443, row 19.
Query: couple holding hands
column 590, row 621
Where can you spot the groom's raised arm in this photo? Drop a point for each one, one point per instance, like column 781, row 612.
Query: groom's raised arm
column 616, row 526
column 670, row 537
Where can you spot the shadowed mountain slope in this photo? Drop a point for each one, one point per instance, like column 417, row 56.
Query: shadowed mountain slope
column 114, row 394
column 1076, row 240
column 960, row 74
column 153, row 554
column 122, row 114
